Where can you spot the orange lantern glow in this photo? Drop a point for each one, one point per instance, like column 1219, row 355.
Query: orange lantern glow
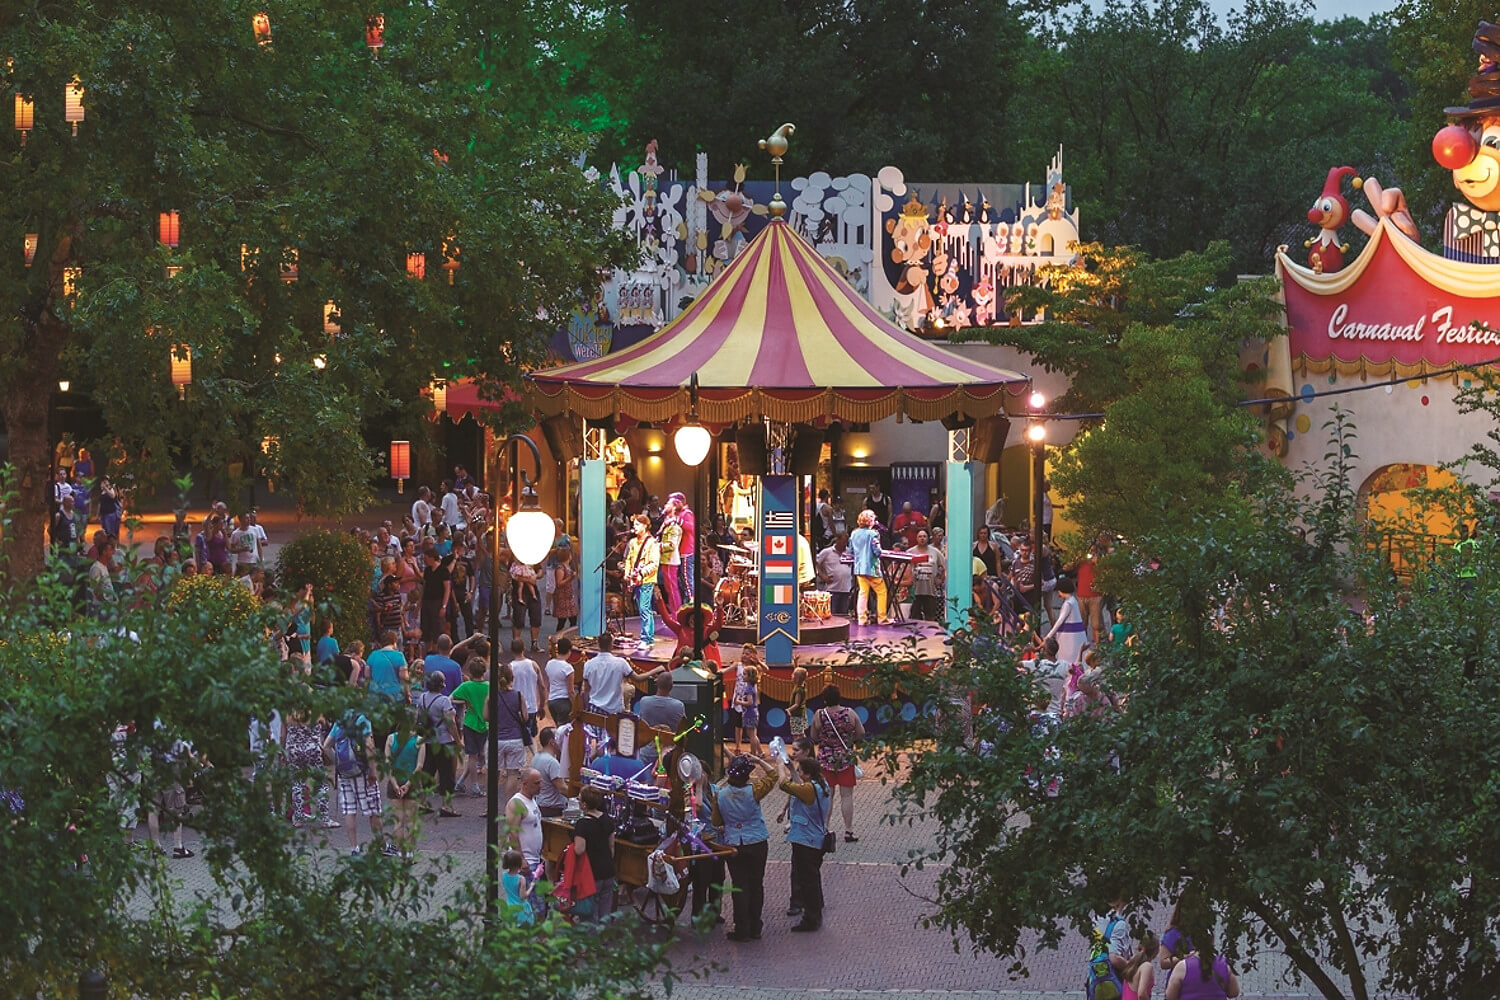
column 400, row 464
column 331, row 317
column 30, row 245
column 167, row 228
column 248, row 254
column 416, row 265
column 73, row 104
column 375, row 33
column 450, row 255
column 173, row 272
column 70, row 276
column 261, row 22
column 440, row 395
column 289, row 265
column 25, row 116
column 182, row 369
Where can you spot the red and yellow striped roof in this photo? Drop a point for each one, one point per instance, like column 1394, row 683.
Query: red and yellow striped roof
column 779, row 334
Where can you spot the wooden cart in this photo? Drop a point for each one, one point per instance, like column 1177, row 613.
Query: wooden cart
column 631, row 859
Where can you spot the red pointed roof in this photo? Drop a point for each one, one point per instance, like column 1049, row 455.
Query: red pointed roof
column 780, row 334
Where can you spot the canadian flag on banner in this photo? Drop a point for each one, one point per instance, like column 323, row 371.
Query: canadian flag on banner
column 778, row 545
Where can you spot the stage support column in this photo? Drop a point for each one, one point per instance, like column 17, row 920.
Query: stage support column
column 960, row 504
column 593, row 510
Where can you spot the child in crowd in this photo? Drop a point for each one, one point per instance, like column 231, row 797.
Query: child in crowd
column 796, row 711
column 747, row 701
column 1140, row 974
column 517, row 888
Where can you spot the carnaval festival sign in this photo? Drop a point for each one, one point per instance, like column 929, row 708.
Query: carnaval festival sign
column 1396, row 310
column 779, row 613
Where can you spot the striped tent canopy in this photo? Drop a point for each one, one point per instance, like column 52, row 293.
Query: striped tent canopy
column 779, row 334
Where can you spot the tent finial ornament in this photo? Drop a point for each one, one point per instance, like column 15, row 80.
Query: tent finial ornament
column 776, row 144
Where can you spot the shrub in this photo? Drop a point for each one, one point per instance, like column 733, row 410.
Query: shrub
column 340, row 570
column 218, row 599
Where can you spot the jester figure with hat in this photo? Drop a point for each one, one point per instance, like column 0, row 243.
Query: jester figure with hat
column 1325, row 254
column 1470, row 148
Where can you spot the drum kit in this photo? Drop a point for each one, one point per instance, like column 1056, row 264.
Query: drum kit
column 735, row 598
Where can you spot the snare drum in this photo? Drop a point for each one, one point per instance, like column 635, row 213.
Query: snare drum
column 817, row 604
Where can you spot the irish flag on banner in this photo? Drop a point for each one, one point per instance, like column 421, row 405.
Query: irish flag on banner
column 778, row 594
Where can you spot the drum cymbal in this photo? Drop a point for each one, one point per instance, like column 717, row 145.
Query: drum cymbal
column 740, row 561
column 735, row 548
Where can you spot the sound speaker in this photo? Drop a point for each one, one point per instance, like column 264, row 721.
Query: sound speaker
column 987, row 438
column 750, row 441
column 807, row 448
column 564, row 436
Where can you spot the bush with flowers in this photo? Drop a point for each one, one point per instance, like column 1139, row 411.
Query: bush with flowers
column 220, row 600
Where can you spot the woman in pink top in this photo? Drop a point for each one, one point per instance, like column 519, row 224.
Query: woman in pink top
column 1140, row 972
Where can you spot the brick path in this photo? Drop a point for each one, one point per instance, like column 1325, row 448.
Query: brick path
column 871, row 942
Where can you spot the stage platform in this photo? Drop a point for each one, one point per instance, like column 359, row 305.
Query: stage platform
column 915, row 642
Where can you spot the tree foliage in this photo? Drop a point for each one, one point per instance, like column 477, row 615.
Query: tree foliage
column 1152, row 348
column 868, row 83
column 1180, row 125
column 1270, row 751
column 290, row 915
column 305, row 153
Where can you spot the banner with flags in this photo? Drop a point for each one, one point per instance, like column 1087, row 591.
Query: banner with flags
column 779, row 613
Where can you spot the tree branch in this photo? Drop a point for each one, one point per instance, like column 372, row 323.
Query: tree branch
column 1346, row 944
column 265, row 127
column 1301, row 958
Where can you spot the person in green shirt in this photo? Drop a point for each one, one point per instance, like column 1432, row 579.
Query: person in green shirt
column 473, row 692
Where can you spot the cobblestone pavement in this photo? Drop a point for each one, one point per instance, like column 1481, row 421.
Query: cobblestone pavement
column 871, row 942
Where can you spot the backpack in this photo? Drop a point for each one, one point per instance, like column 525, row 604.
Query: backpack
column 1103, row 982
column 348, row 753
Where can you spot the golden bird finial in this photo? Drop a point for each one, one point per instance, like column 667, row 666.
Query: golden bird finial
column 776, row 144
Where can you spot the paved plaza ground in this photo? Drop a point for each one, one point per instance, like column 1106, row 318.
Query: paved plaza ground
column 872, row 943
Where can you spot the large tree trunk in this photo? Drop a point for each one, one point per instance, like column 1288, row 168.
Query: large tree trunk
column 26, row 406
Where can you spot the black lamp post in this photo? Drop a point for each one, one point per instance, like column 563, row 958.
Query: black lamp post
column 693, row 441
column 1037, row 435
column 529, row 531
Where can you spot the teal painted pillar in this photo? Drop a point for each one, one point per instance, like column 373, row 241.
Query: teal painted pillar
column 960, row 506
column 593, row 510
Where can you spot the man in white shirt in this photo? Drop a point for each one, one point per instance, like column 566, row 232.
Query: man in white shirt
column 604, row 678
column 421, row 509
column 452, row 516
column 528, row 681
column 836, row 573
column 244, row 548
column 523, row 819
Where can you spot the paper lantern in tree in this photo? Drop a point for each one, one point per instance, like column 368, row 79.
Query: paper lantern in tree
column 248, row 254
column 375, row 33
column 167, row 228
column 440, row 395
column 70, row 276
column 289, row 265
column 416, row 265
column 182, row 369
column 25, row 116
column 73, row 104
column 331, row 317
column 400, row 464
column 450, row 258
column 261, row 23
column 30, row 245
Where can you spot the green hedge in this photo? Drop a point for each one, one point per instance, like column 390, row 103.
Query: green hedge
column 340, row 570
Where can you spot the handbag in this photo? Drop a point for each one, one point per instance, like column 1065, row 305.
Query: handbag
column 830, row 842
column 577, row 881
column 525, row 729
column 859, row 772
